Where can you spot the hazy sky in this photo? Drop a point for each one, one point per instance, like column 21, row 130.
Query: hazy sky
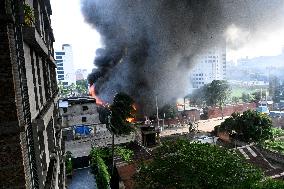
column 69, row 27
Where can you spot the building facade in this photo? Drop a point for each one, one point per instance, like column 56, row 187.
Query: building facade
column 65, row 68
column 209, row 66
column 81, row 74
column 30, row 136
column 79, row 111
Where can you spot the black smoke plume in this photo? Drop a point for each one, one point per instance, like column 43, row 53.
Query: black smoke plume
column 150, row 45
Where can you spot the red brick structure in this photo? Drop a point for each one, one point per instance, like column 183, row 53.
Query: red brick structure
column 30, row 138
column 214, row 112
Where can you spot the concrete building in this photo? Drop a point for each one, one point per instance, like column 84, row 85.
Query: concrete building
column 81, row 74
column 79, row 111
column 65, row 68
column 209, row 66
column 30, row 137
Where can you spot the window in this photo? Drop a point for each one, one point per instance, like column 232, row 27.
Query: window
column 57, row 61
column 60, row 76
column 60, row 79
column 60, row 68
column 65, row 83
column 85, row 108
column 60, row 53
column 61, row 64
column 84, row 119
column 58, row 57
column 60, row 72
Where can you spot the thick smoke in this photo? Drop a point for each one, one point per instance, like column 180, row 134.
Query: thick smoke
column 150, row 45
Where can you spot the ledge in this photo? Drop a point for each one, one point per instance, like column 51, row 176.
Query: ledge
column 32, row 37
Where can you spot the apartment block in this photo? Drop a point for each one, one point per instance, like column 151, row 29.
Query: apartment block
column 30, row 134
column 209, row 66
column 65, row 68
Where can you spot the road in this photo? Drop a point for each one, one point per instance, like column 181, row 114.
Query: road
column 203, row 125
column 83, row 179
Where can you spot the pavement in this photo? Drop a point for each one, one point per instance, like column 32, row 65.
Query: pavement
column 83, row 146
column 202, row 125
column 82, row 179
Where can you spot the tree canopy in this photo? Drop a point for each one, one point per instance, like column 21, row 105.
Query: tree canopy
column 217, row 92
column 169, row 111
column 251, row 126
column 122, row 108
column 183, row 165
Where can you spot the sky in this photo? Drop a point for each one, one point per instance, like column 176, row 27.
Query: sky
column 70, row 28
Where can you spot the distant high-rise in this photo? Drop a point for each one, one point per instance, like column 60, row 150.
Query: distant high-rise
column 81, row 74
column 30, row 136
column 65, row 68
column 210, row 65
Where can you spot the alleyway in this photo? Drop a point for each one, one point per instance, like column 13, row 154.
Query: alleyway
column 83, row 179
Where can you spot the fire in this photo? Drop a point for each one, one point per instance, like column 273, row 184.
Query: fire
column 92, row 93
column 130, row 119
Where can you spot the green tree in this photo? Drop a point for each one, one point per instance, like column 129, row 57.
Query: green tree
column 169, row 111
column 258, row 95
column 182, row 164
column 251, row 126
column 217, row 93
column 68, row 163
column 82, row 87
column 121, row 109
column 270, row 184
column 235, row 99
column 116, row 117
column 99, row 157
column 71, row 88
column 246, row 97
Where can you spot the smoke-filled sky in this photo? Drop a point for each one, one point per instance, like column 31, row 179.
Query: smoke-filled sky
column 148, row 46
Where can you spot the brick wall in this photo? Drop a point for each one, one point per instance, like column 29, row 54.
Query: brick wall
column 14, row 162
column 214, row 112
column 11, row 165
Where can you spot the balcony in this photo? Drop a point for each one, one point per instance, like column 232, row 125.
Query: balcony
column 35, row 40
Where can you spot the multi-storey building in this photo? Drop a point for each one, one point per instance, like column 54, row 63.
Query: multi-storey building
column 65, row 69
column 30, row 137
column 209, row 66
column 79, row 110
column 81, row 74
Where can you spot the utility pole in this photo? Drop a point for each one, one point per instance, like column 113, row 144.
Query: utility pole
column 157, row 110
column 261, row 95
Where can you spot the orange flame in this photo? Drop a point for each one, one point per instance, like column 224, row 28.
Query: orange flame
column 130, row 119
column 92, row 93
